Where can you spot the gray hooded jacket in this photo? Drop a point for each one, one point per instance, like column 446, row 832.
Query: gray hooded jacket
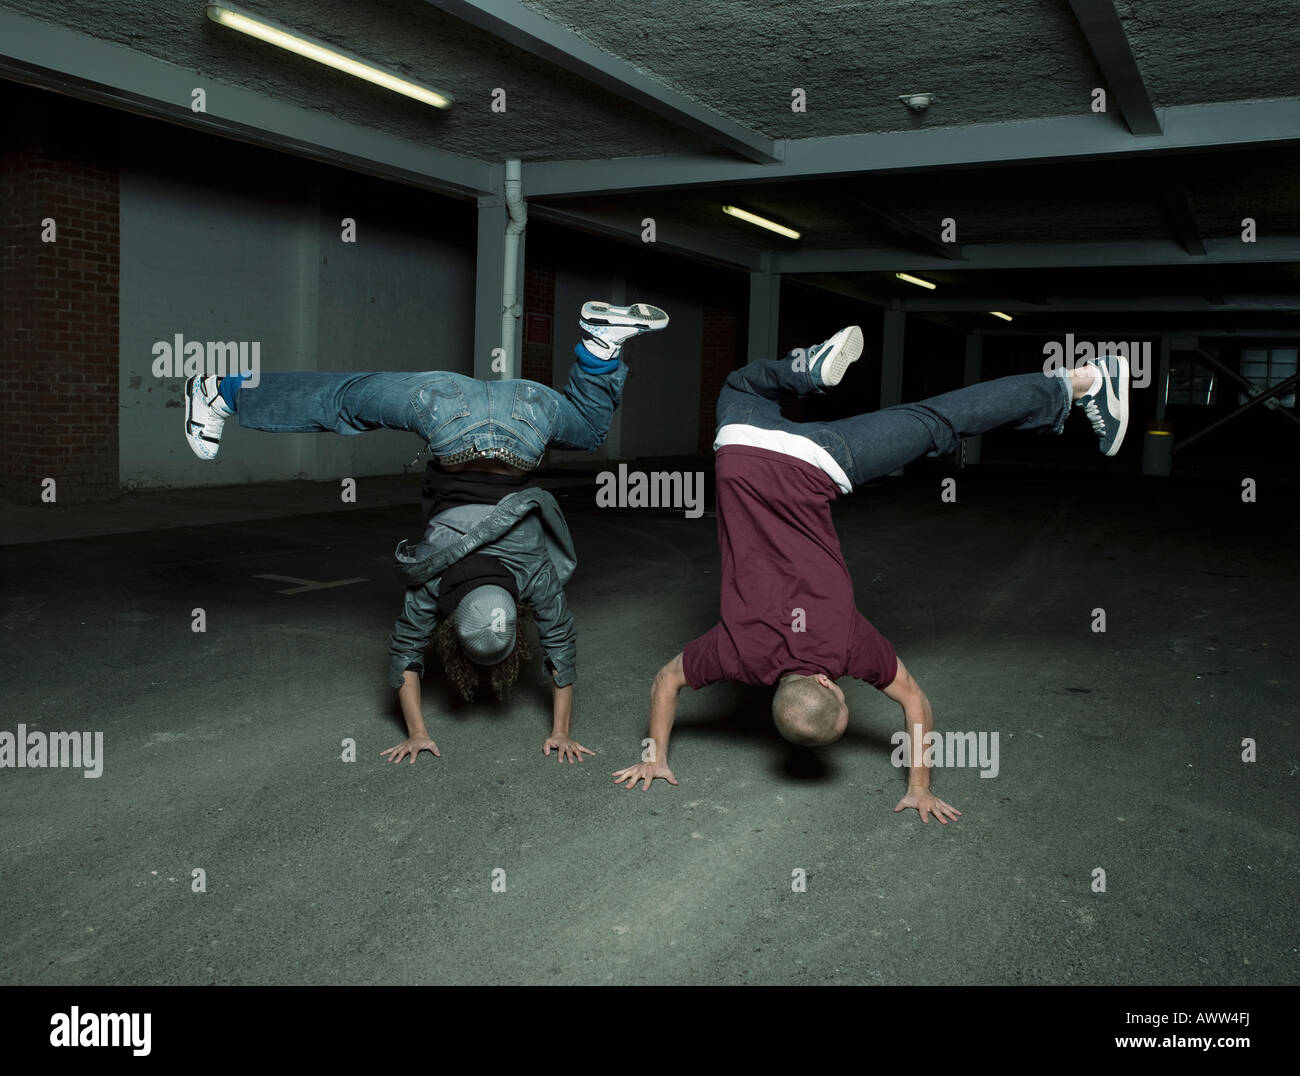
column 527, row 533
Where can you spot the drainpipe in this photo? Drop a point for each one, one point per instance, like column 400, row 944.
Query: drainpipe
column 510, row 306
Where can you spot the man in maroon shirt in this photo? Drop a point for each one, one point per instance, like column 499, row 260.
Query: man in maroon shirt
column 788, row 618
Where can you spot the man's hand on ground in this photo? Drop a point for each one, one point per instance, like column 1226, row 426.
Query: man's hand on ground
column 413, row 747
column 644, row 771
column 927, row 803
column 565, row 747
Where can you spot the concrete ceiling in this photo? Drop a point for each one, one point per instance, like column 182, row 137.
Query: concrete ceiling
column 409, row 37
column 987, row 62
column 667, row 108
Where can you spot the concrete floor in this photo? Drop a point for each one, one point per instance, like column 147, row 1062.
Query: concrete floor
column 222, row 752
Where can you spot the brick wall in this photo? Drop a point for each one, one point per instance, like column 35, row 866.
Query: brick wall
column 539, row 298
column 718, row 359
column 58, row 302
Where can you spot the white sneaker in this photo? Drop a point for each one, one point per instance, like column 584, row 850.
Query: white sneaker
column 606, row 328
column 205, row 415
column 827, row 361
column 1107, row 408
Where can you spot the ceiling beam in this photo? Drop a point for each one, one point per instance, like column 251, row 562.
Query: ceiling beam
column 1041, row 256
column 845, row 286
column 67, row 62
column 897, row 224
column 1102, row 304
column 1171, row 194
column 1105, row 33
column 526, row 29
column 669, row 237
column 1232, row 124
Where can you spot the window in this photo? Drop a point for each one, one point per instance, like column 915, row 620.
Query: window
column 1191, row 382
column 1265, row 367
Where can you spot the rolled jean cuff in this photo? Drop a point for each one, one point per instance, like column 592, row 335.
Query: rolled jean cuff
column 1067, row 389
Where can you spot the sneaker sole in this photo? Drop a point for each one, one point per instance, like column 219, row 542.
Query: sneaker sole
column 639, row 314
column 831, row 371
column 197, row 444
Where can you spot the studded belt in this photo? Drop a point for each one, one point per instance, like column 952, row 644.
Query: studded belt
column 502, row 454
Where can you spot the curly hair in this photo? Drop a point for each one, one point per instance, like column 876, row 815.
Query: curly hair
column 465, row 674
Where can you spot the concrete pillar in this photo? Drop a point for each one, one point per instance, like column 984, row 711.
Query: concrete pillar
column 1162, row 381
column 488, row 272
column 973, row 372
column 1158, row 444
column 891, row 360
column 764, row 314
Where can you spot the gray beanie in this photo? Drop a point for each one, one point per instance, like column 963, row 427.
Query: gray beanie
column 485, row 624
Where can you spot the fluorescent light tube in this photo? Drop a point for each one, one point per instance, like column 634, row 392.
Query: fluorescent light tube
column 762, row 222
column 225, row 15
column 916, row 280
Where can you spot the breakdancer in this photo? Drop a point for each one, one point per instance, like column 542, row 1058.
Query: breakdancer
column 788, row 618
column 496, row 552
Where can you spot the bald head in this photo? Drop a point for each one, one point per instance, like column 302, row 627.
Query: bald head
column 808, row 712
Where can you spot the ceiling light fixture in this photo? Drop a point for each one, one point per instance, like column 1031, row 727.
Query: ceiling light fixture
column 263, row 30
column 916, row 280
column 762, row 222
column 999, row 314
column 918, row 102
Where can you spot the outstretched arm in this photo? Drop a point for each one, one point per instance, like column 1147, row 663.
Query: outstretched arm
column 668, row 684
column 411, row 634
column 562, row 714
column 417, row 736
column 918, row 720
column 558, row 636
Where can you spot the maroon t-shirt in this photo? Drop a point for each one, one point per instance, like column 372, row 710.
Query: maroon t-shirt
column 782, row 570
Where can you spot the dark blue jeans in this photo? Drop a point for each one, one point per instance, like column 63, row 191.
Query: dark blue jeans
column 868, row 446
column 458, row 417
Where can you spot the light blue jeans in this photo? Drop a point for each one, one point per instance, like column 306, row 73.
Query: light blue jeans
column 459, row 417
column 878, row 443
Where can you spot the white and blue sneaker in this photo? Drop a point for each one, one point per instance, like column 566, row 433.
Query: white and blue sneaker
column 1106, row 406
column 205, row 416
column 828, row 360
column 606, row 328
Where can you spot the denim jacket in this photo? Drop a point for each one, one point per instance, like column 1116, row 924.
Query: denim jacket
column 528, row 534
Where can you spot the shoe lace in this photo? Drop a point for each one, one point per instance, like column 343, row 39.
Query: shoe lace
column 1093, row 413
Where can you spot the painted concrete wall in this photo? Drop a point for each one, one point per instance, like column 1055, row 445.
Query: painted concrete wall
column 231, row 243
column 223, row 242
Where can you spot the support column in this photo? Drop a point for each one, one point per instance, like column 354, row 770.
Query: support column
column 717, row 360
column 973, row 373
column 489, row 269
column 1158, row 444
column 764, row 314
column 891, row 359
column 1162, row 384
